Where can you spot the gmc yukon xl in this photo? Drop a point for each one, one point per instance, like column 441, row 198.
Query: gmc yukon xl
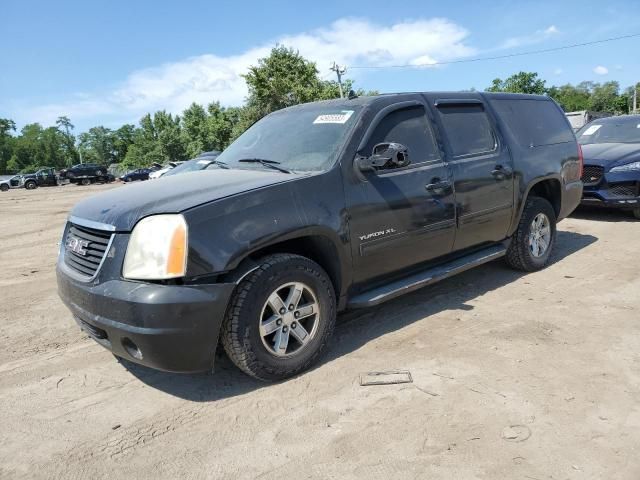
column 315, row 209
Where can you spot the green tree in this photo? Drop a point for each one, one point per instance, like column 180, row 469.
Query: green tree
column 70, row 152
column 97, row 146
column 122, row 140
column 6, row 142
column 521, row 82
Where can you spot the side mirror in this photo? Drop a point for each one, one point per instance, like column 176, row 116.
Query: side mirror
column 389, row 155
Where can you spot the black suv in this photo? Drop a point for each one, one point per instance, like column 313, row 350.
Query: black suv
column 315, row 209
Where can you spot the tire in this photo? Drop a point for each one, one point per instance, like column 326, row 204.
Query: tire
column 85, row 181
column 30, row 185
column 244, row 331
column 4, row 187
column 522, row 253
column 636, row 213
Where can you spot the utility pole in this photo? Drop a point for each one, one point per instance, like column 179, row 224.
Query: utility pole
column 635, row 98
column 339, row 72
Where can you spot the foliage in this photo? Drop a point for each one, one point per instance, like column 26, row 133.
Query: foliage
column 521, row 82
column 605, row 97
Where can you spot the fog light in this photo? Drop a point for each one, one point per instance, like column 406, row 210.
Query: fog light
column 131, row 348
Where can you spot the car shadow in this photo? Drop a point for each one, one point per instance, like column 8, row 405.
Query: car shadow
column 601, row 214
column 358, row 327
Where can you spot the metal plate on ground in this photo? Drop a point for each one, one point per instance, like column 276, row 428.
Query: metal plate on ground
column 390, row 377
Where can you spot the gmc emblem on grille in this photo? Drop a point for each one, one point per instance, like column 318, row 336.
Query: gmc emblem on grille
column 76, row 245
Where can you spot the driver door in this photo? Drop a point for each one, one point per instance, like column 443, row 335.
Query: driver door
column 401, row 216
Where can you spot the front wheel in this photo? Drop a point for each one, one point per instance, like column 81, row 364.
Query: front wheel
column 85, row 181
column 30, row 185
column 280, row 318
column 533, row 241
column 4, row 187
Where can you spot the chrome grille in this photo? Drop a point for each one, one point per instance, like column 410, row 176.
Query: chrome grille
column 94, row 248
column 592, row 174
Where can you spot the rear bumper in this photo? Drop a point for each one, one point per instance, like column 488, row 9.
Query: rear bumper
column 171, row 328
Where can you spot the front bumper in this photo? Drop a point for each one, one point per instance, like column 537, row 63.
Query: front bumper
column 167, row 327
column 619, row 190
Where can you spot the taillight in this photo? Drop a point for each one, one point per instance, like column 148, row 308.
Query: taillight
column 580, row 161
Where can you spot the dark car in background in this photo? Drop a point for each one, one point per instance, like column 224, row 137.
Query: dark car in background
column 86, row 173
column 138, row 174
column 611, row 176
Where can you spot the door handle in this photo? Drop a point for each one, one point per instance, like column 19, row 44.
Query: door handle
column 500, row 172
column 437, row 185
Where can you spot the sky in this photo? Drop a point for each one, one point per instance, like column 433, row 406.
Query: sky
column 110, row 62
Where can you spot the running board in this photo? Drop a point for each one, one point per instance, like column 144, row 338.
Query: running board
column 426, row 277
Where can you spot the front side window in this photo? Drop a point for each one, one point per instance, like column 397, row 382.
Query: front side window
column 468, row 129
column 409, row 127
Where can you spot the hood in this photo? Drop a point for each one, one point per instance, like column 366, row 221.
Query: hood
column 122, row 207
column 610, row 155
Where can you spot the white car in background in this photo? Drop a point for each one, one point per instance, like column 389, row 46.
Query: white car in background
column 16, row 181
column 162, row 171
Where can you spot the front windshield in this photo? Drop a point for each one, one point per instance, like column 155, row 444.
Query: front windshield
column 622, row 130
column 190, row 166
column 306, row 138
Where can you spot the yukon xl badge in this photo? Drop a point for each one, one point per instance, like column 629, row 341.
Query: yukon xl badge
column 379, row 233
column 76, row 245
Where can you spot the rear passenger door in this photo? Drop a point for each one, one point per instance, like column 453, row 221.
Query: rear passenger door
column 482, row 171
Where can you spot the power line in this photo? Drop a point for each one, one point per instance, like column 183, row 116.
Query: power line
column 483, row 59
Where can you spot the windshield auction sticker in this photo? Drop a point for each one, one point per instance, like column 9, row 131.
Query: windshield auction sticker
column 341, row 117
column 591, row 130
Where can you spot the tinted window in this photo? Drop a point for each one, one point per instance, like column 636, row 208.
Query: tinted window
column 468, row 129
column 534, row 122
column 409, row 127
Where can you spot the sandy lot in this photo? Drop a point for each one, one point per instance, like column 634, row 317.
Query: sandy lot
column 515, row 376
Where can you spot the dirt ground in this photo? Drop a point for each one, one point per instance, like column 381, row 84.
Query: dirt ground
column 514, row 377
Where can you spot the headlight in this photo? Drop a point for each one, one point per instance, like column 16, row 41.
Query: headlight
column 627, row 168
column 157, row 249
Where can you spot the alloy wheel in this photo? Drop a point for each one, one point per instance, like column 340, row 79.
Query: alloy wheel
column 539, row 235
column 289, row 319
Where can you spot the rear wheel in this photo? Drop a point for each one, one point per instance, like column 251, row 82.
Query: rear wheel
column 280, row 318
column 636, row 213
column 532, row 243
column 85, row 181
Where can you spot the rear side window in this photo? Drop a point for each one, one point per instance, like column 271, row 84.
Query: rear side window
column 468, row 129
column 410, row 127
column 534, row 123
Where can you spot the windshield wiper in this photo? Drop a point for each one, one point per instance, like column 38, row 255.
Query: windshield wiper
column 267, row 163
column 220, row 164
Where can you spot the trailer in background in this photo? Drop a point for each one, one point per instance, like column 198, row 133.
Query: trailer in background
column 580, row 118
